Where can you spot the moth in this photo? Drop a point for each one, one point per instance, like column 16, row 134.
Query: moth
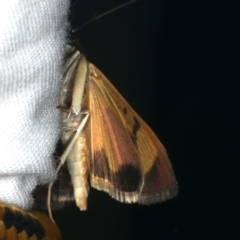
column 108, row 145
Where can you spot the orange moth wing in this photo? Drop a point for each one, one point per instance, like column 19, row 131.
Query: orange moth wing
column 127, row 159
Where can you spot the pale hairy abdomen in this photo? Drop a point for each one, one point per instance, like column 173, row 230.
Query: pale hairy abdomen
column 77, row 159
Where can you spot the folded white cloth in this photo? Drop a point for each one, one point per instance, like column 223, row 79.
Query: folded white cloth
column 32, row 42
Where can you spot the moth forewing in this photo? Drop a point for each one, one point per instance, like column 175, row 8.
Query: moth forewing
column 128, row 161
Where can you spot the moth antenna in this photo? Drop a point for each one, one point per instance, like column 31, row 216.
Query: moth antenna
column 102, row 15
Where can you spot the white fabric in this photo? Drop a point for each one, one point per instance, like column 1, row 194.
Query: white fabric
column 32, row 40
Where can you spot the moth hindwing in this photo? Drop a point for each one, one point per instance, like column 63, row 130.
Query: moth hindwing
column 116, row 151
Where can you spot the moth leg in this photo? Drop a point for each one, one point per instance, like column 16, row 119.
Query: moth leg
column 79, row 85
column 63, row 159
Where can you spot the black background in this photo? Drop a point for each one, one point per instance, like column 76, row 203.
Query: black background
column 175, row 62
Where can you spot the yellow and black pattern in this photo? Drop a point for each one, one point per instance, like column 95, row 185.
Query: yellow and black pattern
column 16, row 224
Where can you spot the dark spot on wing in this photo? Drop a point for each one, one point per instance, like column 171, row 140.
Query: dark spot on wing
column 101, row 166
column 127, row 179
column 158, row 178
column 152, row 175
column 136, row 128
column 125, row 111
column 159, row 184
